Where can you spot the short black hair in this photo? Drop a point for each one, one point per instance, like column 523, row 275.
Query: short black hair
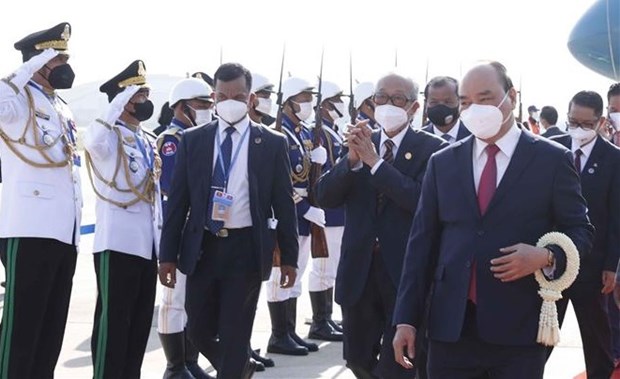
column 502, row 73
column 550, row 114
column 232, row 71
column 588, row 99
column 614, row 90
column 440, row 81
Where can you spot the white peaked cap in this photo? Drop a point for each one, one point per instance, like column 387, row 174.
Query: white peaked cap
column 363, row 91
column 293, row 86
column 190, row 88
column 261, row 83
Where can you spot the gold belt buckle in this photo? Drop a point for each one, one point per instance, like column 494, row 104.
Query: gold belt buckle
column 222, row 233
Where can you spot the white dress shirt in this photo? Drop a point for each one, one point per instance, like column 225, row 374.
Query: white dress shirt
column 507, row 145
column 586, row 151
column 238, row 183
column 453, row 132
column 397, row 139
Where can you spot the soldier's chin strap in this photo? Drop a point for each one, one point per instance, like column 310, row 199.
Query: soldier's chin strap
column 188, row 113
column 293, row 111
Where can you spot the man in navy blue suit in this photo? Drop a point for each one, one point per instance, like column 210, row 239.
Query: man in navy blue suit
column 598, row 162
column 378, row 182
column 473, row 240
column 441, row 96
column 230, row 188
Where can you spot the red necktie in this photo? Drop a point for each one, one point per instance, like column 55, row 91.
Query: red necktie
column 486, row 189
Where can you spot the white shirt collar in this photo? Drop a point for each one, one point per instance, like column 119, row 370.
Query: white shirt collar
column 397, row 139
column 507, row 144
column 453, row 132
column 585, row 149
column 241, row 126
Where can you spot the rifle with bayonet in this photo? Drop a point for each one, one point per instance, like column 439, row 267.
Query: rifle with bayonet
column 318, row 242
column 352, row 109
column 278, row 127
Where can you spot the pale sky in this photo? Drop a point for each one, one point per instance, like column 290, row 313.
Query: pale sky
column 528, row 36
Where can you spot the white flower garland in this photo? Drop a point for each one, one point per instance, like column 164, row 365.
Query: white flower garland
column 551, row 291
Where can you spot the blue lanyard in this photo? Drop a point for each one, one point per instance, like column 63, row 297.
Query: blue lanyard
column 234, row 158
column 150, row 158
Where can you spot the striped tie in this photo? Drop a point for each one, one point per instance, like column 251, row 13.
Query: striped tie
column 388, row 156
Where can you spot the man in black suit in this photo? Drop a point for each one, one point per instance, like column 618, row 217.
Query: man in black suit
column 598, row 162
column 548, row 120
column 441, row 96
column 473, row 240
column 230, row 189
column 379, row 196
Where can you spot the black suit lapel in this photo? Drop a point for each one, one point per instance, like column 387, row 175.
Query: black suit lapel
column 596, row 158
column 463, row 154
column 255, row 147
column 406, row 150
column 208, row 140
column 463, row 132
column 376, row 140
column 524, row 154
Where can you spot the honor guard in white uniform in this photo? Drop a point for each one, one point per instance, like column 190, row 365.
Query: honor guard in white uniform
column 124, row 169
column 297, row 101
column 41, row 205
column 322, row 276
column 191, row 101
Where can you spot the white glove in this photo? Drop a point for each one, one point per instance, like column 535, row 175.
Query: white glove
column 316, row 215
column 318, row 155
column 34, row 64
column 118, row 104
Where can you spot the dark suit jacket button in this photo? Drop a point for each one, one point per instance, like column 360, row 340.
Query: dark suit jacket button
column 468, row 264
column 480, row 232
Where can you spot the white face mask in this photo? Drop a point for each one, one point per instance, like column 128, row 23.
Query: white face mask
column 231, row 111
column 484, row 121
column 614, row 119
column 201, row 116
column 390, row 117
column 581, row 136
column 264, row 105
column 305, row 110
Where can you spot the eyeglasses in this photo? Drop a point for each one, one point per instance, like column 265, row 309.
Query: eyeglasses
column 397, row 100
column 584, row 125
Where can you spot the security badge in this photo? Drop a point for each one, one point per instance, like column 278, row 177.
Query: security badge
column 222, row 202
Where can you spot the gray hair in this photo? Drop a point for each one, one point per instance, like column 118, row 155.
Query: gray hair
column 414, row 87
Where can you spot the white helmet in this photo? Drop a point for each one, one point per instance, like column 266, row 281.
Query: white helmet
column 261, row 83
column 329, row 89
column 363, row 91
column 292, row 86
column 190, row 88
